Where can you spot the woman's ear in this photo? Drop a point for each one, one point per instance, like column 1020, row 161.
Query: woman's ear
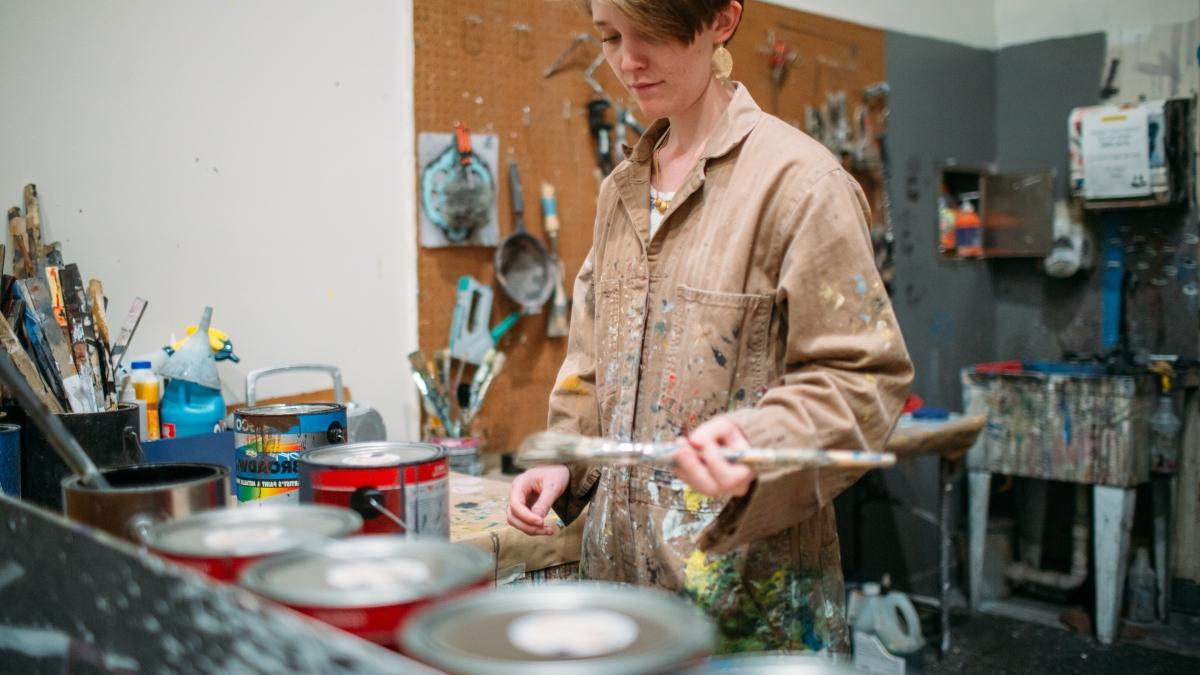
column 726, row 22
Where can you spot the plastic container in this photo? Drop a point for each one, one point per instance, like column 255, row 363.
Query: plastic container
column 145, row 389
column 888, row 621
column 968, row 236
column 1164, row 436
column 1142, row 588
column 190, row 409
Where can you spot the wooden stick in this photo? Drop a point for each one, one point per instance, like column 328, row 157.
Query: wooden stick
column 83, row 336
column 96, row 297
column 12, row 346
column 22, row 263
column 33, row 219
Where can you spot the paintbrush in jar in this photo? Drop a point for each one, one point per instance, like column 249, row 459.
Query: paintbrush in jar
column 550, row 447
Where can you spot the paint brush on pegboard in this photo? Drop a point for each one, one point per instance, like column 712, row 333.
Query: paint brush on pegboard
column 558, row 322
column 558, row 448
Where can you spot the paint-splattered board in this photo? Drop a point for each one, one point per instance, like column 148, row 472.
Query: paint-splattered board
column 481, row 62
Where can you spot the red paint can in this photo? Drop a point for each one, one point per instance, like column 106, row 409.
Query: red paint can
column 222, row 542
column 369, row 585
column 395, row 487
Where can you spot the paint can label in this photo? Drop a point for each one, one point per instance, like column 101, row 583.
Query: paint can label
column 269, row 441
column 426, row 505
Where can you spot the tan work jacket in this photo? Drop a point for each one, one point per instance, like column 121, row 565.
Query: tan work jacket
column 758, row 297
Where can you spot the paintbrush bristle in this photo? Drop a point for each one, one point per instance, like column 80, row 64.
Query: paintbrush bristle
column 548, row 447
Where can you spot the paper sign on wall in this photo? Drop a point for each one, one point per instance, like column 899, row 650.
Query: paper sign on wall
column 1116, row 153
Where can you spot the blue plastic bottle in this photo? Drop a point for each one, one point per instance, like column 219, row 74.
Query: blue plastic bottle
column 190, row 409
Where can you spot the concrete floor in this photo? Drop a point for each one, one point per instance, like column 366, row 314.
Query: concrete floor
column 991, row 644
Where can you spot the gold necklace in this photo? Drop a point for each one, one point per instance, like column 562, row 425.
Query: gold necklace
column 661, row 205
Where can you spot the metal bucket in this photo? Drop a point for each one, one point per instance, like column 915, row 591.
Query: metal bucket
column 145, row 494
column 223, row 542
column 584, row 627
column 395, row 487
column 109, row 437
column 369, row 585
column 10, row 460
column 268, row 443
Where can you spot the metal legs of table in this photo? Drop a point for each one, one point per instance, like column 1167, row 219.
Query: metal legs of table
column 1112, row 520
column 948, row 471
column 979, row 488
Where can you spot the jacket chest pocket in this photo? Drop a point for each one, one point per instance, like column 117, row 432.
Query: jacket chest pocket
column 717, row 357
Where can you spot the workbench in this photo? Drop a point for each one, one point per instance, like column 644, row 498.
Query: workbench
column 478, row 518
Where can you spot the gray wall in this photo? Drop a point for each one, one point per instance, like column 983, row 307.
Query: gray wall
column 1037, row 85
column 943, row 104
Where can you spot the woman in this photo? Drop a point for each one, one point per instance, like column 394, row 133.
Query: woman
column 730, row 300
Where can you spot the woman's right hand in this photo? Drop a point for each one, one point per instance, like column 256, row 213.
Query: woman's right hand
column 532, row 494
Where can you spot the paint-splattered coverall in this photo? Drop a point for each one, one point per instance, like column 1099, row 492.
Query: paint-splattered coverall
column 757, row 296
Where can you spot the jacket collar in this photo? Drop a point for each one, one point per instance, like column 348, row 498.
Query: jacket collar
column 631, row 176
column 735, row 124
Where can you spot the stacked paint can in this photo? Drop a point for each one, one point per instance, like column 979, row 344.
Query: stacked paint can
column 395, row 487
column 370, row 585
column 269, row 441
column 580, row 627
column 223, row 542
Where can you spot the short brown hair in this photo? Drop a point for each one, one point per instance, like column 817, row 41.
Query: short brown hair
column 681, row 20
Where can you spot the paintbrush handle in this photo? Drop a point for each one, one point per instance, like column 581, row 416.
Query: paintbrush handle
column 761, row 458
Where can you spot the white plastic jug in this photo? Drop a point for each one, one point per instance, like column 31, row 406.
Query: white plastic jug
column 888, row 622
column 898, row 625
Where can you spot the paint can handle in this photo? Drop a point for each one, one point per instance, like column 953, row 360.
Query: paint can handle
column 254, row 376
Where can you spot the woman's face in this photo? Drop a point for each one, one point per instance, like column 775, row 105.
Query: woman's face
column 665, row 76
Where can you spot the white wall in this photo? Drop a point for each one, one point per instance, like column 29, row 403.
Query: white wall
column 1020, row 21
column 255, row 156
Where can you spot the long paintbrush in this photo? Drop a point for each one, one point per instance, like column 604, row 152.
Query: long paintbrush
column 557, row 448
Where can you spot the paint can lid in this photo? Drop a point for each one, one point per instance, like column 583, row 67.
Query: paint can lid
column 581, row 627
column 372, row 455
column 240, row 533
column 367, row 571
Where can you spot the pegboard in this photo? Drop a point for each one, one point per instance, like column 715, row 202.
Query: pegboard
column 482, row 62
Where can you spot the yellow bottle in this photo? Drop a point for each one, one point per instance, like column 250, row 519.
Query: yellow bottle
column 145, row 388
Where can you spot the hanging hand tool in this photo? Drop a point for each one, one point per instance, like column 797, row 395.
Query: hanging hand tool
column 470, row 336
column 781, row 59
column 601, row 130
column 523, row 267
column 558, row 322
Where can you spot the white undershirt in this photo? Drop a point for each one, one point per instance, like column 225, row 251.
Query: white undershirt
column 656, row 218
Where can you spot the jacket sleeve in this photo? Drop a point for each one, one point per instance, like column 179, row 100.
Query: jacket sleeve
column 845, row 368
column 573, row 405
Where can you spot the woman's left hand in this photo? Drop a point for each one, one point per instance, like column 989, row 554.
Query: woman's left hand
column 700, row 460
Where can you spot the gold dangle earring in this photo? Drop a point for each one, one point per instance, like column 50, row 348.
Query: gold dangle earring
column 722, row 63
